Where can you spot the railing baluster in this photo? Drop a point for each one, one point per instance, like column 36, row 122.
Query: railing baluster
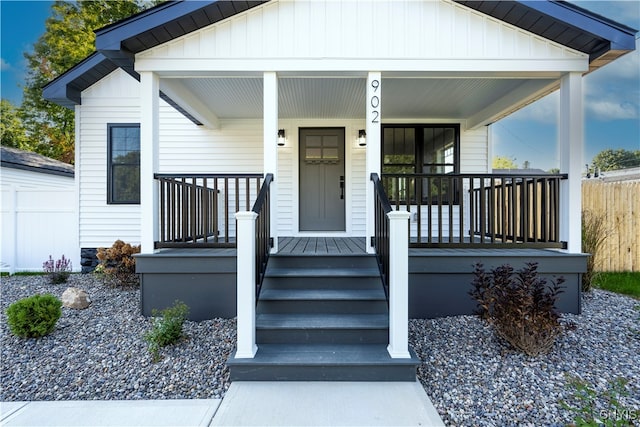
column 500, row 209
column 381, row 227
column 503, row 210
column 262, row 208
column 472, row 210
column 460, row 187
column 419, row 193
column 189, row 207
column 450, row 200
column 216, row 207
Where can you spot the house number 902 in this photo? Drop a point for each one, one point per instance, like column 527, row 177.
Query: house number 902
column 375, row 102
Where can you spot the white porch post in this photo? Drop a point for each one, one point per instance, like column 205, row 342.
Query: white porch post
column 246, row 284
column 149, row 131
column 270, row 129
column 398, row 284
column 372, row 127
column 571, row 132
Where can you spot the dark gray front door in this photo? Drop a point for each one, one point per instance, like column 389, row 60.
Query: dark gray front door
column 322, row 186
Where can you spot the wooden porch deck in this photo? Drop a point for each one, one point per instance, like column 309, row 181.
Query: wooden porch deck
column 356, row 246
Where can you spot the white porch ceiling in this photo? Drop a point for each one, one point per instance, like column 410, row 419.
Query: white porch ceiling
column 337, row 97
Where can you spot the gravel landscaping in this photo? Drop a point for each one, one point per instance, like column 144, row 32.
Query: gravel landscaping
column 471, row 377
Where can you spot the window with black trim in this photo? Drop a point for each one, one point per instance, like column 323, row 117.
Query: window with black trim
column 123, row 163
column 421, row 149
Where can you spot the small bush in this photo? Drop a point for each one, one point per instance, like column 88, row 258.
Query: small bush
column 519, row 305
column 167, row 329
column 34, row 316
column 594, row 234
column 58, row 271
column 118, row 266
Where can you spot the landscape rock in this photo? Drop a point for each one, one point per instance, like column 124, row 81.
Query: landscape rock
column 75, row 298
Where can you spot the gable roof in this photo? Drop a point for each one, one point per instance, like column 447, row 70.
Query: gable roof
column 602, row 39
column 565, row 23
column 117, row 44
column 26, row 160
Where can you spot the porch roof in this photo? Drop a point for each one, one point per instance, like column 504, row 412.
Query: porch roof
column 602, row 39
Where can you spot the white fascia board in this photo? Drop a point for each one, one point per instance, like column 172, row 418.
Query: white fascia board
column 175, row 90
column 195, row 67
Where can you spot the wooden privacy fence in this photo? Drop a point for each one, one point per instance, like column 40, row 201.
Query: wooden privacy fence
column 619, row 203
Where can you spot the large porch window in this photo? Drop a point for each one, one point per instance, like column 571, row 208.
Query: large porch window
column 421, row 149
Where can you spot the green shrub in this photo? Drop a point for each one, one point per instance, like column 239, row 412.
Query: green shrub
column 519, row 305
column 594, row 234
column 167, row 329
column 34, row 316
column 118, row 266
column 58, row 271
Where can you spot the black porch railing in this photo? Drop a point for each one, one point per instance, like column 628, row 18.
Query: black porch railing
column 381, row 230
column 197, row 210
column 263, row 231
column 472, row 210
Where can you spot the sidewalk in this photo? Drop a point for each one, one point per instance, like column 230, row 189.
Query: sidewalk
column 197, row 412
column 246, row 404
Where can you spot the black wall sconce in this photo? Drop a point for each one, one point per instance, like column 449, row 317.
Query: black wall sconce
column 281, row 137
column 362, row 138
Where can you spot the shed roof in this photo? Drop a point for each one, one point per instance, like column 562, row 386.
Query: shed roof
column 27, row 160
column 602, row 39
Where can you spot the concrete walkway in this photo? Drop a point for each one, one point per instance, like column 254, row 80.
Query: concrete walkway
column 246, row 404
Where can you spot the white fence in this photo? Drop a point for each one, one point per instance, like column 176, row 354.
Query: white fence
column 37, row 221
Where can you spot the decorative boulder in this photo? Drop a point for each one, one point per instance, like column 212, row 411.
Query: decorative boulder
column 75, row 298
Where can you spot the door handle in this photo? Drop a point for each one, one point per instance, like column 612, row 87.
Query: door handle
column 341, row 187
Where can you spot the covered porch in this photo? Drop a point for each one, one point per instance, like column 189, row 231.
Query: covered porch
column 438, row 277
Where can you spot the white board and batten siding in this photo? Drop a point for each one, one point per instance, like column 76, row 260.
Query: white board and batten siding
column 405, row 35
column 39, row 219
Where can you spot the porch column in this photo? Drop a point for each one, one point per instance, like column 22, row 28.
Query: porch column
column 270, row 148
column 398, row 284
column 571, row 134
column 372, row 127
column 149, row 131
column 246, row 285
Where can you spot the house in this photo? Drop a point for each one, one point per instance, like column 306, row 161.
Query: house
column 320, row 168
column 38, row 211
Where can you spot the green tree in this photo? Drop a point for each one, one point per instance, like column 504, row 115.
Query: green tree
column 503, row 162
column 68, row 38
column 610, row 159
column 12, row 131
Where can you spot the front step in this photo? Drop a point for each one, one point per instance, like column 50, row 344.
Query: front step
column 296, row 300
column 322, row 318
column 322, row 328
column 323, row 362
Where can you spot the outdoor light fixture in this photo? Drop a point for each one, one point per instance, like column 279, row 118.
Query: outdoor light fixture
column 362, row 138
column 281, row 138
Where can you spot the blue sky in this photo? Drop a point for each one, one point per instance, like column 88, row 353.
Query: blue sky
column 612, row 94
